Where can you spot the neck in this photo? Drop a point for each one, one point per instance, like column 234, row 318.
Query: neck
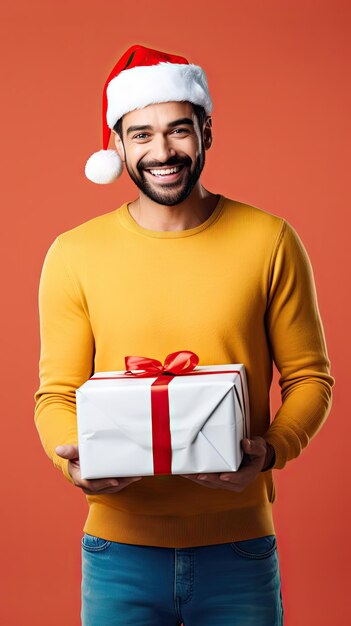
column 192, row 212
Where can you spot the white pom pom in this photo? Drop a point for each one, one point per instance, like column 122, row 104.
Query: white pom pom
column 104, row 167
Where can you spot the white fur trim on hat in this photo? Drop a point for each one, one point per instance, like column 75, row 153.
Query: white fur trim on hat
column 137, row 87
column 104, row 167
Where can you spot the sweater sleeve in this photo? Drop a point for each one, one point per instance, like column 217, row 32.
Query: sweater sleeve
column 297, row 342
column 66, row 355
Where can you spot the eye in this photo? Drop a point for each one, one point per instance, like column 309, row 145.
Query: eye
column 140, row 135
column 182, row 130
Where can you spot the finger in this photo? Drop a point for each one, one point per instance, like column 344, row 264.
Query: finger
column 231, row 482
column 247, row 472
column 109, row 490
column 67, row 452
column 254, row 447
column 95, row 486
column 100, row 492
column 196, row 477
column 188, row 475
column 205, row 483
column 101, row 485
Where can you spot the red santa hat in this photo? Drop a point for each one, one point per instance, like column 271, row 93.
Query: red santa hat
column 141, row 77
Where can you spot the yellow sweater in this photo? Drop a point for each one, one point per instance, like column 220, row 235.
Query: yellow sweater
column 238, row 288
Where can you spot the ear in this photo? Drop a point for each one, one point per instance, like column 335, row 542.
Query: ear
column 208, row 133
column 119, row 146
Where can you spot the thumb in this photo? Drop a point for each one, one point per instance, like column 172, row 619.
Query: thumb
column 252, row 447
column 67, row 452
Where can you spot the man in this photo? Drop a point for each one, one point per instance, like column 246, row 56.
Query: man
column 179, row 267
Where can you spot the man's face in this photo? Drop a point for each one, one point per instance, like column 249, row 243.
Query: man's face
column 160, row 137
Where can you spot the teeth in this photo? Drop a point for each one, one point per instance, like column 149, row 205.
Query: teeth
column 172, row 170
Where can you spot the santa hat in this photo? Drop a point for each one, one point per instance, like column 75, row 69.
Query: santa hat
column 141, row 77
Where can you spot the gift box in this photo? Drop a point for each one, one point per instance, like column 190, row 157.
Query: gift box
column 154, row 418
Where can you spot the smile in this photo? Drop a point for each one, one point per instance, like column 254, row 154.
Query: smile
column 167, row 174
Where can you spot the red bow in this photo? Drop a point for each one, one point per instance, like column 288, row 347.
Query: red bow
column 175, row 363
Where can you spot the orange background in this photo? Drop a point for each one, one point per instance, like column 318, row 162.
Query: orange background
column 278, row 74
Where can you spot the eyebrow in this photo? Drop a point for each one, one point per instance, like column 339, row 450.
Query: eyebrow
column 183, row 120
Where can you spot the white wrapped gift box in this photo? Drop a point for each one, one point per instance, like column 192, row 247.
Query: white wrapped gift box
column 162, row 424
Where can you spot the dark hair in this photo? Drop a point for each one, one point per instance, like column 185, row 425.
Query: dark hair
column 198, row 110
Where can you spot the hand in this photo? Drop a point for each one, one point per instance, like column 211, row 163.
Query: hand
column 91, row 486
column 254, row 459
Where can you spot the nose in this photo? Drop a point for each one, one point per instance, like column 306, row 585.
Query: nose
column 162, row 149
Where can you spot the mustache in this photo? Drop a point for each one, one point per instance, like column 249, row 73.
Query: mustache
column 170, row 163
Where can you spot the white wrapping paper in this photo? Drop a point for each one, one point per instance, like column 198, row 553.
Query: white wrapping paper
column 208, row 417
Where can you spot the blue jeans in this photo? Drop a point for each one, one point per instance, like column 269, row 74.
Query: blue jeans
column 228, row 584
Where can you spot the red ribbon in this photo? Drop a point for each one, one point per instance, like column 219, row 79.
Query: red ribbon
column 177, row 363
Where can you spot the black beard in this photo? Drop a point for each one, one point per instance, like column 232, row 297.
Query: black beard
column 171, row 197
